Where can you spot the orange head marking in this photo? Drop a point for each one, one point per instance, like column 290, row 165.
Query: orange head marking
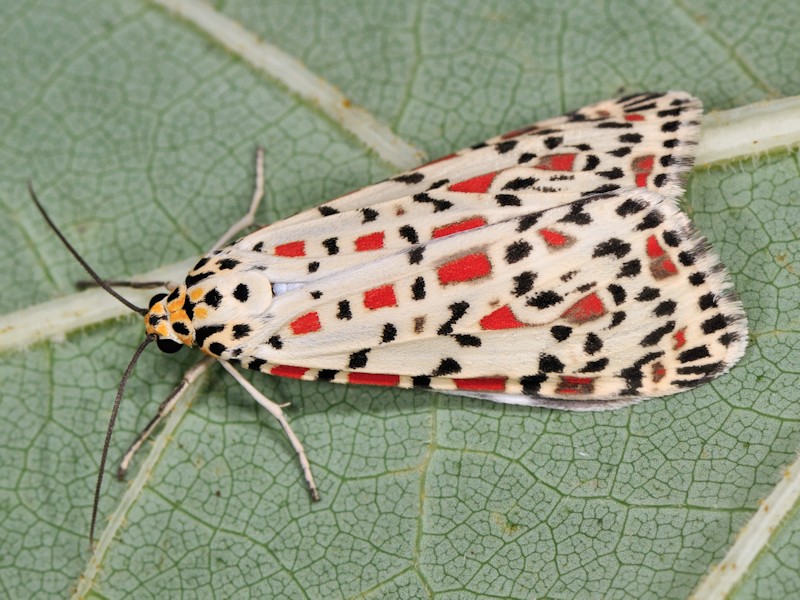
column 167, row 320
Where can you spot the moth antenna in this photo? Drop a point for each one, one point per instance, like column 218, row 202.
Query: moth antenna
column 107, row 443
column 79, row 258
column 85, row 284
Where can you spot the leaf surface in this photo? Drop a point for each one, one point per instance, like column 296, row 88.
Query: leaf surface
column 138, row 129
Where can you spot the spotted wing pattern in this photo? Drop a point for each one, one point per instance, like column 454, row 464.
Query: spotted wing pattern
column 645, row 141
column 548, row 266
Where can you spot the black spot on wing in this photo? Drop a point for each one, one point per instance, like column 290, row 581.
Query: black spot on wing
column 438, row 205
column 213, row 298
column 614, row 246
column 358, row 360
column 447, row 366
column 197, row 277
column 409, row 178
column 241, row 292
column 241, row 330
column 368, row 215
column 216, row 348
column 523, row 283
column 331, row 245
column 409, row 234
column 506, row 146
column 201, row 334
column 550, row 364
column 517, row 251
column 389, row 333
column 227, row 264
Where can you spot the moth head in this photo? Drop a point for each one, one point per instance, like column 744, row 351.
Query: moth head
column 168, row 322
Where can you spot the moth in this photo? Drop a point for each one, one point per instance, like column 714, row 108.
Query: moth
column 550, row 266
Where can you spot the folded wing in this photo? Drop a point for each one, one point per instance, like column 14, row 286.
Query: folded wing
column 551, row 262
column 615, row 295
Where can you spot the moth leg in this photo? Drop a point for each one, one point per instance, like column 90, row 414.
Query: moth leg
column 164, row 409
column 275, row 410
column 249, row 217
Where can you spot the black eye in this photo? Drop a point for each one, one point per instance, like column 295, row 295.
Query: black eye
column 155, row 299
column 167, row 345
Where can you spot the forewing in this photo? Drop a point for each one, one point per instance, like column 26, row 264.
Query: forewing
column 645, row 141
column 540, row 264
column 612, row 296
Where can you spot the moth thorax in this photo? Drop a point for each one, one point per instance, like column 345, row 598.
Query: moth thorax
column 233, row 303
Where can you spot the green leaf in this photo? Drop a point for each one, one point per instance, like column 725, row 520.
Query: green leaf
column 138, row 128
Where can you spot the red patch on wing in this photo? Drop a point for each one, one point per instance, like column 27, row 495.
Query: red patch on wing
column 287, row 371
column 642, row 167
column 502, row 318
column 584, row 310
column 466, row 268
column 517, row 132
column 556, row 162
column 680, row 338
column 437, row 160
column 371, row 241
column 634, row 117
column 308, row 323
column 661, row 266
column 475, row 185
column 291, row 249
column 481, row 384
column 654, row 249
column 555, row 239
column 458, row 227
column 380, row 297
column 575, row 385
column 374, row 379
column 658, row 371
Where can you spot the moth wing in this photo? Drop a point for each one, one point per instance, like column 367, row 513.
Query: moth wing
column 644, row 140
column 615, row 296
